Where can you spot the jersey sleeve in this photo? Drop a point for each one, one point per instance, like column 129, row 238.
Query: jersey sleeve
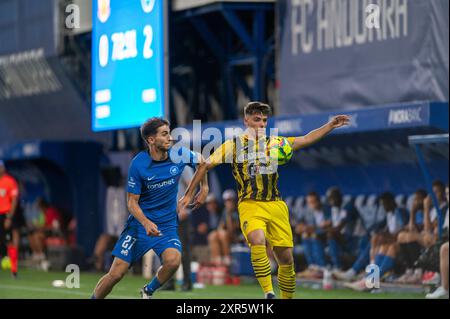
column 223, row 154
column 134, row 180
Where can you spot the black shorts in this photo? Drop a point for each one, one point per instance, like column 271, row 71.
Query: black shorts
column 4, row 234
column 17, row 222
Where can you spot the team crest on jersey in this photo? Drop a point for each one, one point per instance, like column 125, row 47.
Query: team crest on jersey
column 174, row 170
column 104, row 10
column 245, row 225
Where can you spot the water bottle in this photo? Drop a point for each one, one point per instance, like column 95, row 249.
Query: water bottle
column 327, row 283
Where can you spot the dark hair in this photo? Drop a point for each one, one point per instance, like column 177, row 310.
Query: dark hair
column 42, row 202
column 335, row 193
column 421, row 192
column 440, row 184
column 389, row 200
column 313, row 194
column 257, row 107
column 151, row 126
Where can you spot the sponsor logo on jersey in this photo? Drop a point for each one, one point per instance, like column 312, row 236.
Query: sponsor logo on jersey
column 165, row 183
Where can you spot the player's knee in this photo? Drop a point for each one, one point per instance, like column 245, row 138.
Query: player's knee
column 116, row 276
column 256, row 238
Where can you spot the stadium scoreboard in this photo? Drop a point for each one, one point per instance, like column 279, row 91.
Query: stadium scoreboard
column 129, row 66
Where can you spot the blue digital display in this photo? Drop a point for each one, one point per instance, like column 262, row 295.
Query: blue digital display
column 128, row 62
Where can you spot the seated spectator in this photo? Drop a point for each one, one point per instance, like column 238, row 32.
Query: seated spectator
column 412, row 238
column 204, row 220
column 419, row 249
column 384, row 246
column 227, row 232
column 48, row 225
column 442, row 290
column 311, row 229
column 335, row 227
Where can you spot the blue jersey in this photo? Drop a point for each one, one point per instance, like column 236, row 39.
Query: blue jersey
column 157, row 184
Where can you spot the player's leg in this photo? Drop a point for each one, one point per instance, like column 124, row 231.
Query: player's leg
column 171, row 259
column 279, row 233
column 118, row 269
column 253, row 221
column 13, row 250
column 286, row 272
column 260, row 261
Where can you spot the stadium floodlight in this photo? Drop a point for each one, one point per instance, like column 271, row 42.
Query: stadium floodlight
column 417, row 141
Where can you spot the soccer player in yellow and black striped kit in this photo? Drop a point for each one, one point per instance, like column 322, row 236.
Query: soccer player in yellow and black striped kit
column 263, row 214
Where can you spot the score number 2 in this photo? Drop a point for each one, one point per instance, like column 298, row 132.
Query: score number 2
column 148, row 33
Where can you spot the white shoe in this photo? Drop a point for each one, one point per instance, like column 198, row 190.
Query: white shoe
column 145, row 295
column 439, row 293
column 348, row 275
column 404, row 278
column 359, row 285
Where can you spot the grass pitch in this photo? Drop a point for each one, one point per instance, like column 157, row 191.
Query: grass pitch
column 33, row 284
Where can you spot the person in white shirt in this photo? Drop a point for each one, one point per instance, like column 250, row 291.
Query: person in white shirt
column 442, row 291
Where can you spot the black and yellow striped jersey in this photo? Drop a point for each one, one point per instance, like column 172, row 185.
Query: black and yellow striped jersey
column 256, row 178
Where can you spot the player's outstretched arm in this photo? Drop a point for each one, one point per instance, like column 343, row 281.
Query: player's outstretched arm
column 199, row 176
column 315, row 135
column 133, row 207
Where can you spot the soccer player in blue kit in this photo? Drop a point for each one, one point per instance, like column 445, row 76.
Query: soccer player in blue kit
column 152, row 201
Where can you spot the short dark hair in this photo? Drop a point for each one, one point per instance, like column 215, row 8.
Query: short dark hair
column 313, row 194
column 389, row 199
column 151, row 126
column 440, row 184
column 257, row 107
column 335, row 193
column 421, row 192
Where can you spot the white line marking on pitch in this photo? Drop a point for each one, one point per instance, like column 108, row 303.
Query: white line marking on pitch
column 59, row 290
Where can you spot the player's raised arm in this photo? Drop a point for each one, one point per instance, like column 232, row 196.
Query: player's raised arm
column 315, row 135
column 135, row 210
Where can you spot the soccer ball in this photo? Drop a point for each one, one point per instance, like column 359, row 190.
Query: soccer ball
column 279, row 149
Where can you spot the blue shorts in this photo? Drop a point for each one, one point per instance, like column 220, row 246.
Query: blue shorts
column 134, row 243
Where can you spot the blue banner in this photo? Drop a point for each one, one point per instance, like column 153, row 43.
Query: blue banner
column 349, row 54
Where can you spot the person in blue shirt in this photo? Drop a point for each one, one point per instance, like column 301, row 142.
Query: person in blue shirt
column 152, row 202
column 384, row 247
